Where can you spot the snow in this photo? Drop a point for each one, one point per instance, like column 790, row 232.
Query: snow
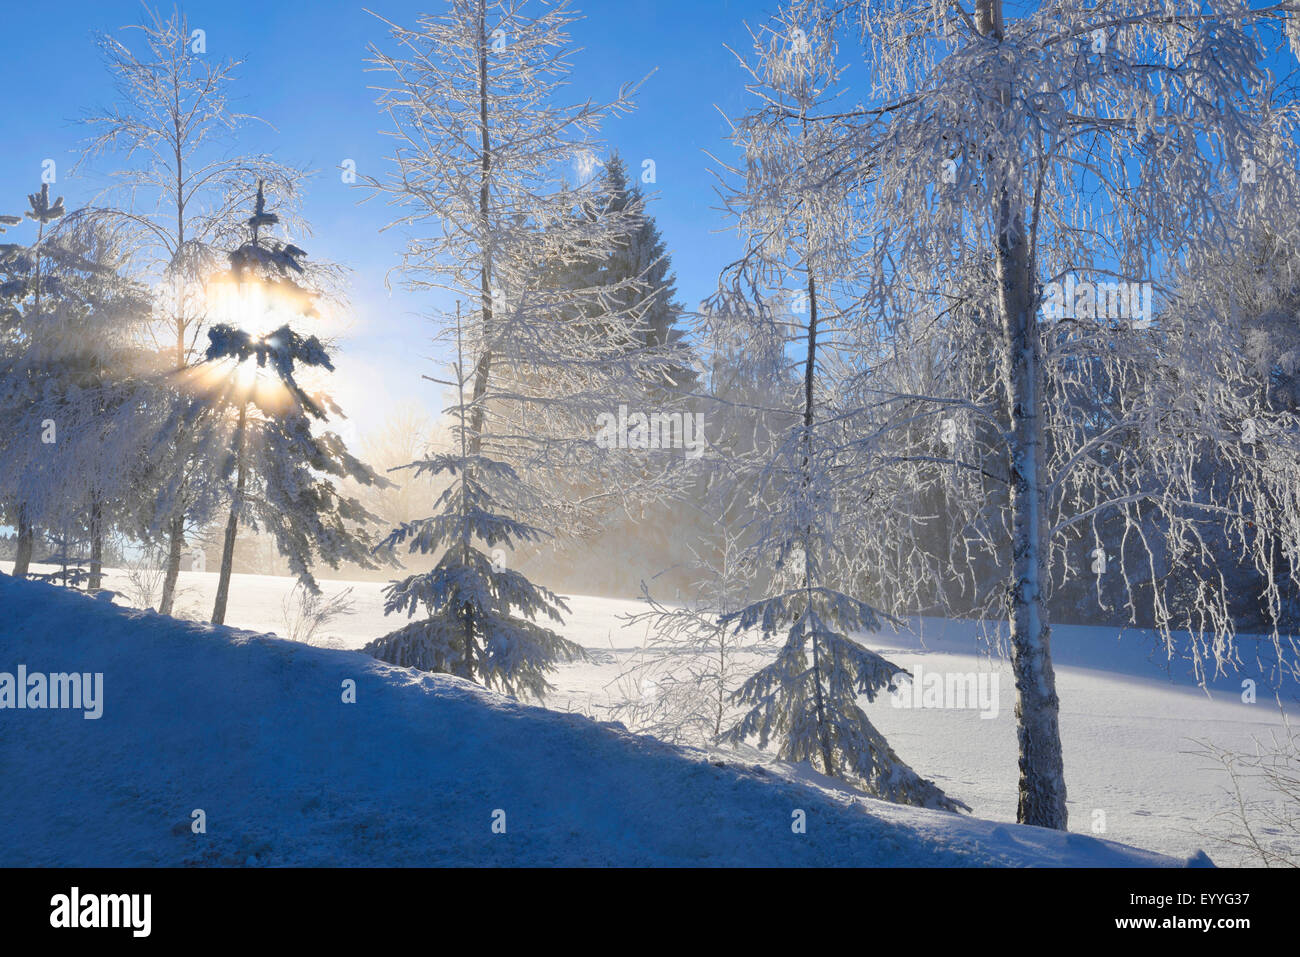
column 253, row 730
column 1129, row 729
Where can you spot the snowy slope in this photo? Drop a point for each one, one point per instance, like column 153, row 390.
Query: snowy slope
column 252, row 730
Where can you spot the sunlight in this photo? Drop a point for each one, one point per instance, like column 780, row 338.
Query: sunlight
column 247, row 304
column 247, row 374
column 253, row 306
column 234, row 382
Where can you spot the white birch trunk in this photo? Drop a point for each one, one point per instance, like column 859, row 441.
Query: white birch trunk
column 1042, row 775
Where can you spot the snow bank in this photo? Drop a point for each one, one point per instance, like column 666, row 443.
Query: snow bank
column 254, row 731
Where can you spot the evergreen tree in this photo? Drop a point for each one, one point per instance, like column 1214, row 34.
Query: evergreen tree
column 178, row 198
column 642, row 257
column 479, row 617
column 799, row 228
column 286, row 476
column 473, row 94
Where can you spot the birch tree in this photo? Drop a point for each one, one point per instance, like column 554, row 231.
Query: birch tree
column 1007, row 165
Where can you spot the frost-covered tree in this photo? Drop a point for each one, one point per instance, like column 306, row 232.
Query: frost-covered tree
column 178, row 193
column 1031, row 180
column 1263, row 818
column 287, row 475
column 638, row 266
column 22, row 292
column 682, row 685
column 74, row 383
column 478, row 617
column 644, row 257
column 1247, row 298
column 482, row 143
column 638, row 271
column 97, row 386
column 799, row 225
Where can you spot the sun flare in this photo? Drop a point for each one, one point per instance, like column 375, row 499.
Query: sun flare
column 247, row 304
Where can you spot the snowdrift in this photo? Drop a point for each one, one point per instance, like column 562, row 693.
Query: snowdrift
column 254, row 732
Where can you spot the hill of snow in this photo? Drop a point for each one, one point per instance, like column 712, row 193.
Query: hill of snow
column 253, row 730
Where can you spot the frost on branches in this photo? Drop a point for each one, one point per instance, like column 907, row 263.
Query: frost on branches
column 478, row 617
column 287, row 476
column 176, row 198
column 1004, row 160
column 75, row 388
column 482, row 145
column 800, row 226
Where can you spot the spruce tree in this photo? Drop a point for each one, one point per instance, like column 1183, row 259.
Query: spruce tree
column 798, row 228
column 473, row 93
column 177, row 193
column 479, row 617
column 285, row 474
column 640, row 256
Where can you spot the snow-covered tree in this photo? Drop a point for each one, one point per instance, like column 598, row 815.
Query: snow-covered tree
column 22, row 308
column 799, row 224
column 681, row 687
column 179, row 193
column 1263, row 816
column 287, row 476
column 73, row 384
column 1031, row 180
column 478, row 617
column 638, row 266
column 638, row 271
column 482, row 143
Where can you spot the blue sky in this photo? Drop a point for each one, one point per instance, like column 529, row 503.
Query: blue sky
column 304, row 73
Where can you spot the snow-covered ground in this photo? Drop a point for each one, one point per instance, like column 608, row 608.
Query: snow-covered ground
column 413, row 778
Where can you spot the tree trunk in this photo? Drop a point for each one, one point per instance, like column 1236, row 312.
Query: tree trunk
column 988, row 18
column 175, row 545
column 26, row 537
column 232, row 524
column 810, row 368
column 1042, row 774
column 483, row 367
column 96, row 579
column 471, row 647
column 23, row 554
column 65, row 546
column 176, row 527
